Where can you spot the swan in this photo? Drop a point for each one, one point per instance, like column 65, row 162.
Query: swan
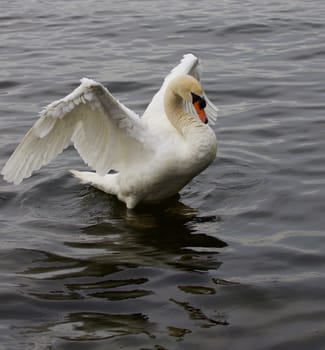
column 139, row 160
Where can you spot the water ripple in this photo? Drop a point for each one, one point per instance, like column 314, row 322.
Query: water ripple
column 244, row 239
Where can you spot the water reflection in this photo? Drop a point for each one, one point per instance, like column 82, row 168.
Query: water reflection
column 161, row 234
column 99, row 326
column 197, row 314
column 119, row 270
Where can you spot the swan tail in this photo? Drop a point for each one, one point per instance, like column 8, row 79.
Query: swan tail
column 107, row 183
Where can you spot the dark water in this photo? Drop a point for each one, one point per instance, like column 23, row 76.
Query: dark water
column 238, row 261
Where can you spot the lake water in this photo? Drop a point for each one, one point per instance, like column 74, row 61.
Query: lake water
column 237, row 262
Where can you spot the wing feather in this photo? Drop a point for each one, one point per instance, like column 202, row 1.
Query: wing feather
column 106, row 134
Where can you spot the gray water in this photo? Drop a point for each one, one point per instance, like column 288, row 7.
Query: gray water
column 237, row 262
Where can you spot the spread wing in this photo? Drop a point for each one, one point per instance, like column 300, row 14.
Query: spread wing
column 189, row 65
column 106, row 134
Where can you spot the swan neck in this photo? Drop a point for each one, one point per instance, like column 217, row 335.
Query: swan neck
column 177, row 115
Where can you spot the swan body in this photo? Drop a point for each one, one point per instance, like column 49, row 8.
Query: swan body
column 153, row 157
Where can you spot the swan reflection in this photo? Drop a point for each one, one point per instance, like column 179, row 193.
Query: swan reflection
column 122, row 269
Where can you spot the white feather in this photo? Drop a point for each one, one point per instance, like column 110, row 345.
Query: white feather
column 154, row 156
column 189, row 65
column 88, row 116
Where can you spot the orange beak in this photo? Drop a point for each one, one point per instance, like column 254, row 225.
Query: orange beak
column 200, row 111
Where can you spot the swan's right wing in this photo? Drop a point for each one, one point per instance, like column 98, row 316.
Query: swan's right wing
column 106, row 134
column 189, row 64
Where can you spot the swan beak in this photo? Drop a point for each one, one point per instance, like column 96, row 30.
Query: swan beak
column 199, row 108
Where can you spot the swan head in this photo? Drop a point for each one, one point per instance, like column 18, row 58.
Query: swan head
column 190, row 90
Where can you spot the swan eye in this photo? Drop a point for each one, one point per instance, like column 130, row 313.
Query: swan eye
column 195, row 97
column 203, row 103
column 201, row 100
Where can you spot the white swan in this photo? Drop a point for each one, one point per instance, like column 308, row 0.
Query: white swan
column 153, row 157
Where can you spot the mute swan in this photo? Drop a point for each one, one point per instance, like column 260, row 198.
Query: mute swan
column 153, row 157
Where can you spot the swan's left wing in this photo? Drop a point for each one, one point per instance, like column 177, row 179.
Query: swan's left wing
column 191, row 65
column 106, row 134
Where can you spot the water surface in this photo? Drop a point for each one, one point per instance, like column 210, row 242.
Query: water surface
column 237, row 261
